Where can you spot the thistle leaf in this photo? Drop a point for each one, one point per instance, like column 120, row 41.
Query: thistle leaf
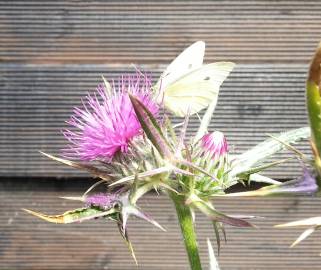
column 138, row 213
column 304, row 235
column 213, row 264
column 78, row 199
column 168, row 187
column 196, row 168
column 128, row 209
column 124, row 234
column 92, row 187
column 304, row 185
column 151, row 128
column 255, row 177
column 220, row 217
column 224, row 233
column 143, row 175
column 289, row 147
column 267, row 148
column 264, row 167
column 85, row 167
column 77, row 215
column 314, row 221
column 181, row 171
column 217, row 235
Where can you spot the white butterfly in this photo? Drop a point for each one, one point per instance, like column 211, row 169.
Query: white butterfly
column 188, row 86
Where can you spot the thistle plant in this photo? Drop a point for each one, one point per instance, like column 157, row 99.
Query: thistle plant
column 121, row 136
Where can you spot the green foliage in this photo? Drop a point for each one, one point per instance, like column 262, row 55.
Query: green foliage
column 313, row 98
column 76, row 215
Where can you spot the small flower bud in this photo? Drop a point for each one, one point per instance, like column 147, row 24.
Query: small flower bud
column 215, row 144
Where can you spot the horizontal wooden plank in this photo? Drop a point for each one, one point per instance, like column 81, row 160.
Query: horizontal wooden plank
column 29, row 243
column 53, row 52
column 38, row 99
column 156, row 31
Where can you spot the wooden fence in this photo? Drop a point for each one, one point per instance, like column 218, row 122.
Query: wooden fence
column 53, row 52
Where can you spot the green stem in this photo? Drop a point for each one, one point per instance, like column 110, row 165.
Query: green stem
column 185, row 219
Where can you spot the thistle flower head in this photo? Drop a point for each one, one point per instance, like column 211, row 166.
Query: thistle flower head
column 107, row 121
column 211, row 155
column 214, row 144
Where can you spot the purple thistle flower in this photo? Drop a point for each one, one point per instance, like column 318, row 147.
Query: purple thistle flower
column 214, row 144
column 106, row 124
column 102, row 200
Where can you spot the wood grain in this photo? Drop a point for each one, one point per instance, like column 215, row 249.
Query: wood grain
column 156, row 31
column 53, row 52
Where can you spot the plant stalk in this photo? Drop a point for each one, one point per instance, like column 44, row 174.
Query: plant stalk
column 185, row 219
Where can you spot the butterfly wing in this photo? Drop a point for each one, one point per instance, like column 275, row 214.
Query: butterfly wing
column 190, row 59
column 197, row 89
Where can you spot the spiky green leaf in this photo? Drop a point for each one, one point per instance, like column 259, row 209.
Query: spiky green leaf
column 151, row 128
column 76, row 215
column 313, row 101
column 220, row 217
column 267, row 148
column 85, row 167
column 304, row 185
